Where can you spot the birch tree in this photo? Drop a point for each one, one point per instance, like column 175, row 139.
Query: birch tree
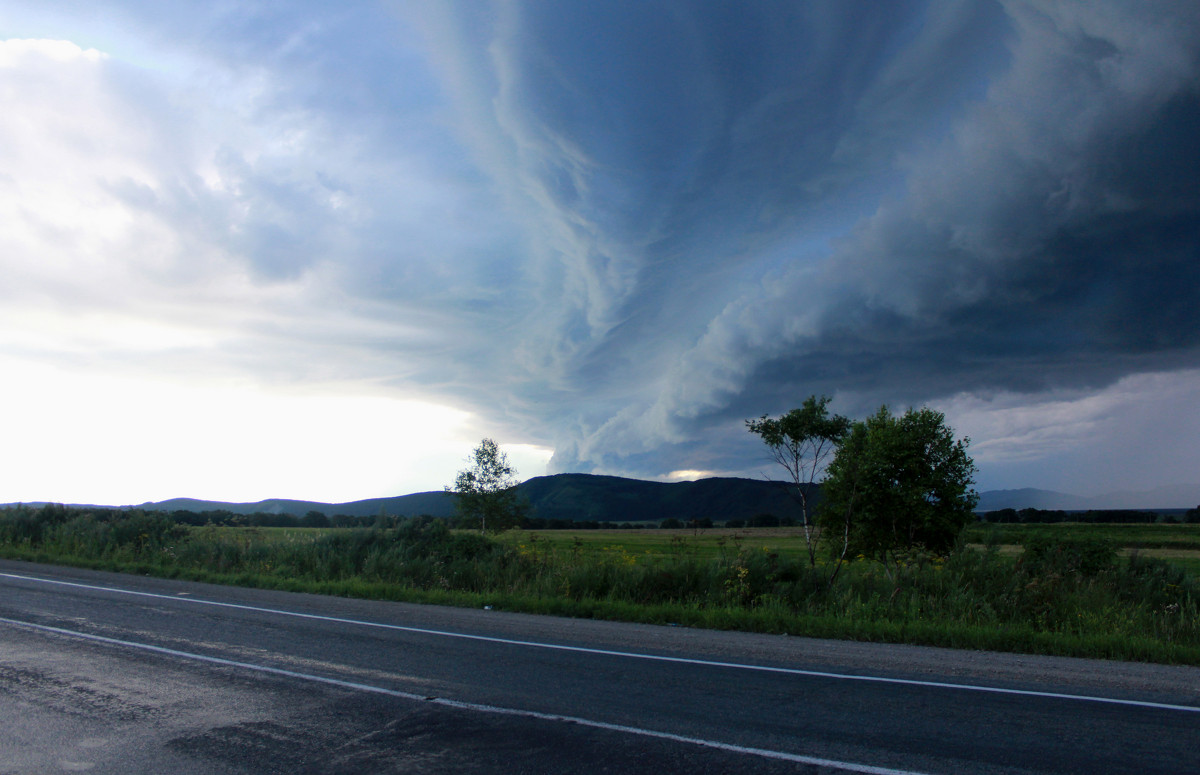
column 802, row 443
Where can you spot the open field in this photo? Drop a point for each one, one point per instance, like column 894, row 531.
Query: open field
column 1178, row 544
column 1140, row 536
column 1052, row 589
column 654, row 544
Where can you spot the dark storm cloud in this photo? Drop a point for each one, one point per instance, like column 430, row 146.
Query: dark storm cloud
column 1047, row 238
column 664, row 144
column 619, row 228
column 661, row 153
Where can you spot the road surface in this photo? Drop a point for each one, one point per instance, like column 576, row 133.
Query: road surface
column 124, row 674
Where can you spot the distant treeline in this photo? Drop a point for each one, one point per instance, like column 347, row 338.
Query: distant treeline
column 317, row 519
column 1095, row 516
column 383, row 520
column 54, row 513
column 263, row 519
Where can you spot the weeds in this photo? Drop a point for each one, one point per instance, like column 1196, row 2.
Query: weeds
column 1064, row 595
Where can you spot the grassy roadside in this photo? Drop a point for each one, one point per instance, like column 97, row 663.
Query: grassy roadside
column 1065, row 599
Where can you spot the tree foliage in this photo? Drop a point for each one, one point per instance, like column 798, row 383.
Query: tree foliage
column 899, row 486
column 485, row 493
column 802, row 441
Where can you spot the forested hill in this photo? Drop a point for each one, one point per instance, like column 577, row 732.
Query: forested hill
column 614, row 499
column 437, row 504
column 562, row 496
column 587, row 497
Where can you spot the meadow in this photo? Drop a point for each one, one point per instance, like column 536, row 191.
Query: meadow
column 1108, row 591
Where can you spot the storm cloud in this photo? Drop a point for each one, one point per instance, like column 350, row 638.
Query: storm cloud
column 896, row 203
column 618, row 229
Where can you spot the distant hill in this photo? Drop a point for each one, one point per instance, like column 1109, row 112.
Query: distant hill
column 615, row 499
column 1176, row 497
column 573, row 497
column 1030, row 498
column 437, row 504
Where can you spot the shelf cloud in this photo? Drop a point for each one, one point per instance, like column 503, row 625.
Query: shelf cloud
column 616, row 230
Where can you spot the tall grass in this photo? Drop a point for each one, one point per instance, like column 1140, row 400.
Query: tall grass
column 1071, row 596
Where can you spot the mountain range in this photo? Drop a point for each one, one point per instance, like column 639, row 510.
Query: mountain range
column 1172, row 497
column 616, row 499
column 572, row 497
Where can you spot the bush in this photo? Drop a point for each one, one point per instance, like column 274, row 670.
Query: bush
column 1156, row 582
column 1086, row 557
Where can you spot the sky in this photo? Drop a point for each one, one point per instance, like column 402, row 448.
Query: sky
column 319, row 250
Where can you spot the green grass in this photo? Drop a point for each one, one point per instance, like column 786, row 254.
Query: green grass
column 1187, row 561
column 1067, row 593
column 654, row 544
column 1145, row 536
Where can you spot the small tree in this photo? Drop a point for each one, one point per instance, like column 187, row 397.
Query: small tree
column 485, row 494
column 898, row 486
column 315, row 519
column 801, row 441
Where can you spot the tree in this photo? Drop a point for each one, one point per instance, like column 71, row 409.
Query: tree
column 801, row 441
column 485, row 494
column 899, row 486
column 315, row 518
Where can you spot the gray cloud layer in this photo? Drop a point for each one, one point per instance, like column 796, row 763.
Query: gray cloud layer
column 1008, row 196
column 619, row 228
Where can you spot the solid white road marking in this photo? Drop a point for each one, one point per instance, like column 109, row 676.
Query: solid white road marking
column 626, row 654
column 473, row 706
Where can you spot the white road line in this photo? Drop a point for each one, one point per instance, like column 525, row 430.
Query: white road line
column 628, row 654
column 472, row 706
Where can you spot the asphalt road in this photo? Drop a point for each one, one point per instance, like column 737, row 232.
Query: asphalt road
column 110, row 673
